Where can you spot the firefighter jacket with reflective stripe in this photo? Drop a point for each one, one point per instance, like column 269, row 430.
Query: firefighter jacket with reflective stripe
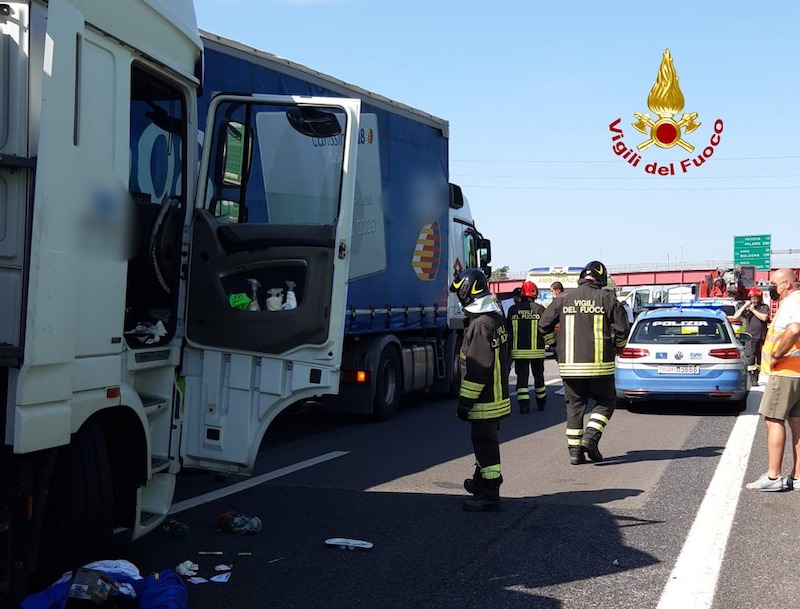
column 592, row 326
column 788, row 313
column 484, row 368
column 523, row 326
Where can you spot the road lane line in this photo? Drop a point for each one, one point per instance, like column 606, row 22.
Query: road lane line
column 693, row 582
column 250, row 483
column 550, row 382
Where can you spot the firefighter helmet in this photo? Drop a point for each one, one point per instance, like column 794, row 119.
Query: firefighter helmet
column 598, row 271
column 469, row 286
column 530, row 290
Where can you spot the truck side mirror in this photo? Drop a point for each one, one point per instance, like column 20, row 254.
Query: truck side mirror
column 484, row 251
column 456, row 197
column 227, row 210
column 312, row 122
column 236, row 153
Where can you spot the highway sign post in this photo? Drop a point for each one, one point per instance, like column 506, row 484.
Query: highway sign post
column 753, row 249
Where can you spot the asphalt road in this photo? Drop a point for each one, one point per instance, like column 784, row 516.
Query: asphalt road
column 606, row 535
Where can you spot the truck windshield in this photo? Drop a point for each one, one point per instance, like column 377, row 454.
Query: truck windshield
column 272, row 167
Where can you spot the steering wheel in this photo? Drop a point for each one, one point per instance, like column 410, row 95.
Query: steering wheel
column 162, row 245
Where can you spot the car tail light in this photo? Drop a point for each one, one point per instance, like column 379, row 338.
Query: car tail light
column 729, row 353
column 631, row 353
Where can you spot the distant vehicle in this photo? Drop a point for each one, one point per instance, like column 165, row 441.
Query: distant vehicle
column 681, row 293
column 683, row 353
column 638, row 297
column 544, row 277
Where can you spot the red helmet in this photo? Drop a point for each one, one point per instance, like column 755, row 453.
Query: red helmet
column 529, row 289
column 756, row 292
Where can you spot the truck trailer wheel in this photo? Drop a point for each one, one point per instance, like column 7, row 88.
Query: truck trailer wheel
column 79, row 518
column 455, row 381
column 387, row 384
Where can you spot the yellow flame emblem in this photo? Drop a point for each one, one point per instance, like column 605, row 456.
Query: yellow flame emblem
column 666, row 100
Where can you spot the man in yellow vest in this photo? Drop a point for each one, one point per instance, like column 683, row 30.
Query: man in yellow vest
column 780, row 359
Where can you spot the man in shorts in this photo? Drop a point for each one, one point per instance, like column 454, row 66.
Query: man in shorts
column 780, row 358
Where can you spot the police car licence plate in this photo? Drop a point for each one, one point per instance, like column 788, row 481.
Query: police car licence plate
column 679, row 369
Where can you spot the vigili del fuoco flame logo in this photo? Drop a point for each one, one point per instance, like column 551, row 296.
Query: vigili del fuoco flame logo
column 664, row 131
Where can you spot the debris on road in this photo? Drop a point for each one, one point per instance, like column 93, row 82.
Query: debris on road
column 197, row 580
column 175, row 528
column 187, row 568
column 223, row 567
column 244, row 554
column 274, row 560
column 221, row 578
column 233, row 522
column 348, row 544
column 207, row 553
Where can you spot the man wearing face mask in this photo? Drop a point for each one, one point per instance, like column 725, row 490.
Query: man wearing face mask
column 756, row 316
column 780, row 358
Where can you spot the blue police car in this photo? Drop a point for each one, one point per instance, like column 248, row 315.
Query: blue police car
column 683, row 352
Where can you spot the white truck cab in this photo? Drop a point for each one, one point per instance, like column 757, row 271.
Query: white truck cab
column 122, row 354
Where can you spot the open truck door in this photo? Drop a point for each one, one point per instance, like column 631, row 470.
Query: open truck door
column 268, row 268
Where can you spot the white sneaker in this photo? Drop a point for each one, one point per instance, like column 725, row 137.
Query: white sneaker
column 765, row 483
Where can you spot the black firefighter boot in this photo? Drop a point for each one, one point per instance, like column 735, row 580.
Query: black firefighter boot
column 524, row 406
column 576, row 456
column 589, row 445
column 472, row 484
column 486, row 496
column 541, row 403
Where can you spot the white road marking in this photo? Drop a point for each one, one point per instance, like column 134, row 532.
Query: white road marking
column 550, row 382
column 250, row 483
column 693, row 581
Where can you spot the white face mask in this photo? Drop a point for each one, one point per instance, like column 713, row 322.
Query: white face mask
column 274, row 299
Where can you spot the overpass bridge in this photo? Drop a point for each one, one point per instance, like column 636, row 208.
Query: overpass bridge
column 650, row 274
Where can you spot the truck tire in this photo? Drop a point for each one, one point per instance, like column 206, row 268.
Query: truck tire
column 455, row 382
column 79, row 518
column 388, row 379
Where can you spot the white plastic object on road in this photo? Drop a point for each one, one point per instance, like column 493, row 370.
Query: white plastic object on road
column 348, row 544
column 197, row 580
column 223, row 567
column 187, row 568
column 221, row 578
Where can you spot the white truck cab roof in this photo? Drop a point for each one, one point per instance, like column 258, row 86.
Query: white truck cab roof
column 166, row 30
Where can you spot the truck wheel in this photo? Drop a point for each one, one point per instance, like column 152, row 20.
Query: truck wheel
column 387, row 385
column 79, row 518
column 455, row 382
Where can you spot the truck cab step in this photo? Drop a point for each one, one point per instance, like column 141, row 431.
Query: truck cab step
column 149, row 518
column 153, row 404
column 158, row 464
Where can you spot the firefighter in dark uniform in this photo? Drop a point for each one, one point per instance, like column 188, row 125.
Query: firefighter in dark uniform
column 593, row 326
column 483, row 398
column 527, row 347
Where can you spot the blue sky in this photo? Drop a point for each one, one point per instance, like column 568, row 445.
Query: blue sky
column 530, row 89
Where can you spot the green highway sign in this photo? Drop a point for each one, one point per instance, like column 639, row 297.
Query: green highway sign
column 753, row 249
